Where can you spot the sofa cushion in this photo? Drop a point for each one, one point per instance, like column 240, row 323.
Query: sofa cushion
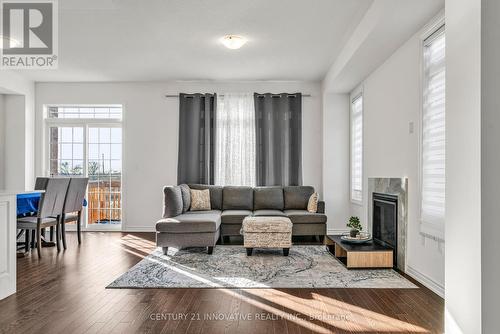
column 215, row 194
column 297, row 197
column 186, row 197
column 268, row 198
column 269, row 213
column 191, row 222
column 172, row 201
column 234, row 216
column 304, row 217
column 237, row 198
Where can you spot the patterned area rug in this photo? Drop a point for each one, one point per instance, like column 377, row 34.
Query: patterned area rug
column 230, row 267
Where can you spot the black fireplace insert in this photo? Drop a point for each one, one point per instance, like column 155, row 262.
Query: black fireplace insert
column 385, row 221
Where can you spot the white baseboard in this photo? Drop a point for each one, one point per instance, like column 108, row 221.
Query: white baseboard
column 426, row 281
column 336, row 231
column 139, row 229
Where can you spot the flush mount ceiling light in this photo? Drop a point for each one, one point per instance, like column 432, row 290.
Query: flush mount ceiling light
column 233, row 41
column 13, row 43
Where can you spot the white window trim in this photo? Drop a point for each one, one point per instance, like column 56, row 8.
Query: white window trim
column 84, row 122
column 435, row 24
column 356, row 93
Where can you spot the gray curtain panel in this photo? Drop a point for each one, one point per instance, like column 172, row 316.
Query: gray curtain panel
column 196, row 138
column 278, row 119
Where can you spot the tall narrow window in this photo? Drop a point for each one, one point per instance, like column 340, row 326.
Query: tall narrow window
column 235, row 140
column 433, row 136
column 357, row 149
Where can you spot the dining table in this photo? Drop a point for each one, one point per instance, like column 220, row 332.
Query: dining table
column 27, row 204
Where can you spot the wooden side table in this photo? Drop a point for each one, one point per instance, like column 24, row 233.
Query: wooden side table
column 368, row 255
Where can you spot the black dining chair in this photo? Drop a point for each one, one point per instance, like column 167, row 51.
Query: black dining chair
column 73, row 206
column 50, row 209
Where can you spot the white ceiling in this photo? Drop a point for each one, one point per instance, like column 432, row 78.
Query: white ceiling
column 132, row 40
column 386, row 25
column 337, row 41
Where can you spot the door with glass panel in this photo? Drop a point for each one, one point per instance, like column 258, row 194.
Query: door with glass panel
column 104, row 169
column 85, row 143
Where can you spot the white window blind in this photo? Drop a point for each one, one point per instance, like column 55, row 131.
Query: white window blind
column 357, row 149
column 433, row 136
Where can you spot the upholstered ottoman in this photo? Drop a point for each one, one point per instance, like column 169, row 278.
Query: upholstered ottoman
column 267, row 232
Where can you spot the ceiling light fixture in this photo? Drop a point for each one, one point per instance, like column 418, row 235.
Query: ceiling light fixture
column 233, row 41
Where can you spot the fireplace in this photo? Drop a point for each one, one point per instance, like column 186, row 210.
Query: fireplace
column 385, row 221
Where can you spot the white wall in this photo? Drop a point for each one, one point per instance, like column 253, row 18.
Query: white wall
column 18, row 126
column 335, row 160
column 150, row 133
column 463, row 166
column 391, row 101
column 15, row 145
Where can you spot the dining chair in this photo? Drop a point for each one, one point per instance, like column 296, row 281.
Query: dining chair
column 73, row 206
column 41, row 184
column 50, row 209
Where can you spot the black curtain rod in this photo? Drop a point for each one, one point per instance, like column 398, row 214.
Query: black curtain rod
column 260, row 95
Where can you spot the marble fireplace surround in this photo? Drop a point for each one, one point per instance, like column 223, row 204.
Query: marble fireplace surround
column 397, row 187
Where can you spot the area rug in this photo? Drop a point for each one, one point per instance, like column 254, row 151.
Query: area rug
column 230, row 267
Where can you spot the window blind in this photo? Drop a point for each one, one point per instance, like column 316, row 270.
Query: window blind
column 357, row 149
column 433, row 136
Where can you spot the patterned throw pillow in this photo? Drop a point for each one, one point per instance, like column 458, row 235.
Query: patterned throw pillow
column 200, row 200
column 312, row 205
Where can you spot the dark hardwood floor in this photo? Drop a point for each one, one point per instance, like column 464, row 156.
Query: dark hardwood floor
column 65, row 293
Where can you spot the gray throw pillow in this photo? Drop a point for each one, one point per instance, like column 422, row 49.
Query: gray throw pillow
column 186, row 197
column 172, row 196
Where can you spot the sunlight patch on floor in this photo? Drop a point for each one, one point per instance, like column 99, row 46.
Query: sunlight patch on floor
column 340, row 315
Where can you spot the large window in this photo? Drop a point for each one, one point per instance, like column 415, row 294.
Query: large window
column 235, row 140
column 87, row 141
column 357, row 149
column 433, row 136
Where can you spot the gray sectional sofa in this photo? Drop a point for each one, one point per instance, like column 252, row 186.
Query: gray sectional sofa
column 181, row 227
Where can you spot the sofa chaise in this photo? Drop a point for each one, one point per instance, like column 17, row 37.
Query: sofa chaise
column 229, row 206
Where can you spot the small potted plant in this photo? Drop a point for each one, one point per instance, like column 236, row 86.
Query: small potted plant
column 355, row 226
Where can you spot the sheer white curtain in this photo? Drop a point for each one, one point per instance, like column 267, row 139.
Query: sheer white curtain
column 235, row 140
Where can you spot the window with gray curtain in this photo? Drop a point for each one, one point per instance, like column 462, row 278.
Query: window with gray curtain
column 196, row 138
column 278, row 125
